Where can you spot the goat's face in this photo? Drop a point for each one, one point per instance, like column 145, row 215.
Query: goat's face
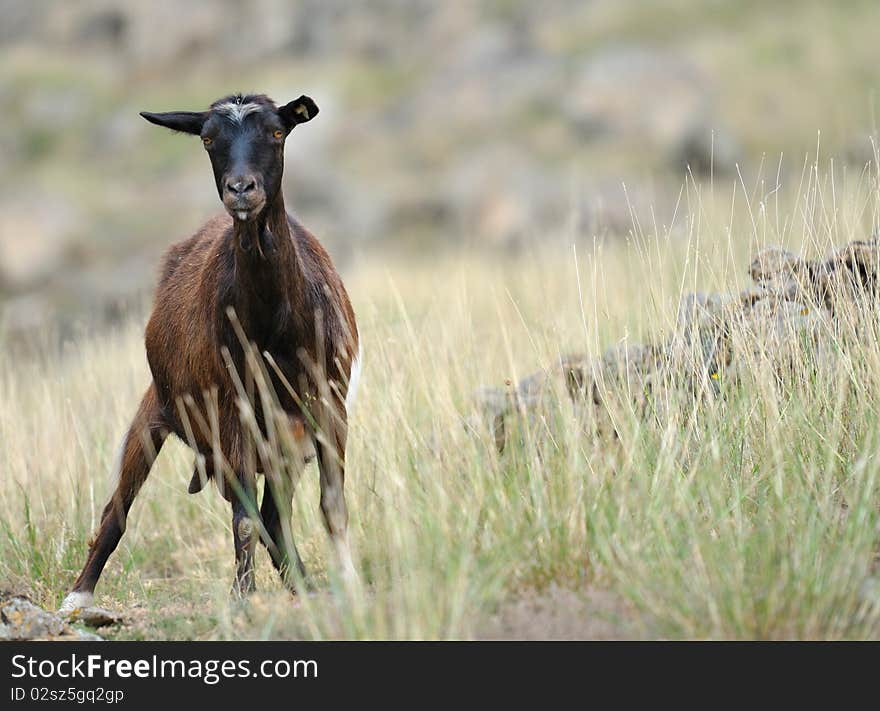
column 244, row 137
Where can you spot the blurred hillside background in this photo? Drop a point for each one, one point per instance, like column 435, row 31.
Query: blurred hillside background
column 488, row 125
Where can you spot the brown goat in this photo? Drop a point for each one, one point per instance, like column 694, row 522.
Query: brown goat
column 254, row 281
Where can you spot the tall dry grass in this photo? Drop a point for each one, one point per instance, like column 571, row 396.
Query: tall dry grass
column 750, row 515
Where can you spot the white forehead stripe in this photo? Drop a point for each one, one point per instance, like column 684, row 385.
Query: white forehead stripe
column 237, row 111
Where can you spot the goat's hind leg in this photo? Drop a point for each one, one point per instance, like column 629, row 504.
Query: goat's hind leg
column 138, row 450
column 331, row 463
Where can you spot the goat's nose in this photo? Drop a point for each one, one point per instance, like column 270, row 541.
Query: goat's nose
column 241, row 185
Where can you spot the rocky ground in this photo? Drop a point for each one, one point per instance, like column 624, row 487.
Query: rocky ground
column 21, row 619
column 794, row 308
column 553, row 614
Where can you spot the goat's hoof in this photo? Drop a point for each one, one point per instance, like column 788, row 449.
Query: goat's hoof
column 75, row 601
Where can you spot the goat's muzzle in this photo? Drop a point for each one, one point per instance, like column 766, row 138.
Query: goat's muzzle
column 243, row 196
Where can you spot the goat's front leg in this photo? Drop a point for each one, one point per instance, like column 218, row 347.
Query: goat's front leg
column 245, row 533
column 331, row 462
column 275, row 511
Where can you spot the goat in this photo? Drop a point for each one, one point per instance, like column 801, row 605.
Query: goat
column 250, row 281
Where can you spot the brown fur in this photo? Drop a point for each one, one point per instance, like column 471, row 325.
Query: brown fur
column 206, row 274
column 280, row 284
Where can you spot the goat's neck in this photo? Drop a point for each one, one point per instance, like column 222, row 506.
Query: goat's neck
column 261, row 243
column 267, row 267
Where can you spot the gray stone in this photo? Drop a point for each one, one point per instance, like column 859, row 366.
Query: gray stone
column 94, row 617
column 21, row 620
column 787, row 321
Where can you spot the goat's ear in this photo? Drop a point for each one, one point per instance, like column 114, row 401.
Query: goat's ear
column 183, row 121
column 298, row 111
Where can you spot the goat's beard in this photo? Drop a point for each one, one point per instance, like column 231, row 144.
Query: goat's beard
column 248, row 214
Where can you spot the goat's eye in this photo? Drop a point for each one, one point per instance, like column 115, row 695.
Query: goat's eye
column 207, row 141
column 278, row 134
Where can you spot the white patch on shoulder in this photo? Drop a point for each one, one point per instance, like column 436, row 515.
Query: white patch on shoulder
column 76, row 600
column 354, row 377
column 236, row 111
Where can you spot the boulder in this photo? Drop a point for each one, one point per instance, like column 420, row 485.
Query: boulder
column 793, row 309
column 21, row 619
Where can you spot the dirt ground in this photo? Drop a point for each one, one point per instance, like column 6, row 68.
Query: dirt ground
column 561, row 614
column 554, row 613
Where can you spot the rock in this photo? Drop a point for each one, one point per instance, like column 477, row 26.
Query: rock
column 21, row 620
column 95, row 617
column 624, row 373
column 628, row 367
column 753, row 293
column 779, row 332
column 697, row 309
column 783, row 323
column 779, row 271
column 847, row 276
column 853, row 268
column 699, row 349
